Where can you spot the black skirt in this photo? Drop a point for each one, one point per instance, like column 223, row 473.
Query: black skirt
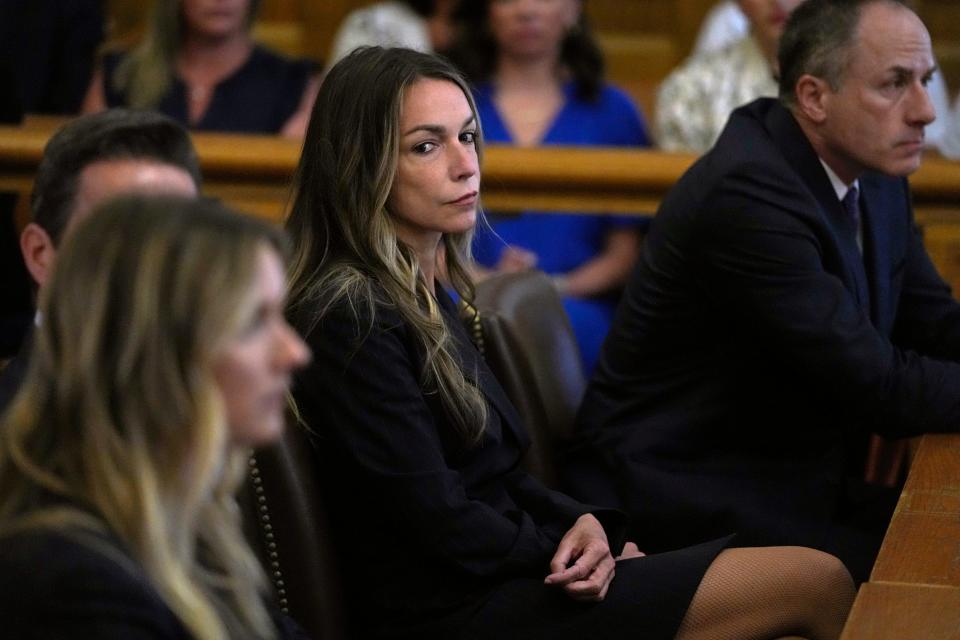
column 648, row 599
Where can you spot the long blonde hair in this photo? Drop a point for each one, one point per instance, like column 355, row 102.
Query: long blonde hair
column 119, row 422
column 345, row 240
column 145, row 76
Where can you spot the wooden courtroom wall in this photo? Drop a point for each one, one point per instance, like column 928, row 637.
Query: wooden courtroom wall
column 943, row 20
column 642, row 39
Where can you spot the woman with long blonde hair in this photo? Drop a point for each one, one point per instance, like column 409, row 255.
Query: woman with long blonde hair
column 443, row 534
column 198, row 64
column 162, row 356
column 537, row 74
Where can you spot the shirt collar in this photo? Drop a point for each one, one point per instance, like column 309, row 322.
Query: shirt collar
column 839, row 185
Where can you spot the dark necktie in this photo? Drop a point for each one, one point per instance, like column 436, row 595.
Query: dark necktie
column 851, row 205
column 850, row 225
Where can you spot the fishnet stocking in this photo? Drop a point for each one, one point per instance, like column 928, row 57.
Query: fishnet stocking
column 765, row 593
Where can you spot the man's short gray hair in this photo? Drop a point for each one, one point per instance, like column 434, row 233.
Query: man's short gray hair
column 817, row 40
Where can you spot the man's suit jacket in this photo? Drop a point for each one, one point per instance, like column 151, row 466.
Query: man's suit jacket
column 742, row 357
column 426, row 525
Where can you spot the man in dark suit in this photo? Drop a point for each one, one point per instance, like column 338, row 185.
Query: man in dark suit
column 86, row 162
column 784, row 305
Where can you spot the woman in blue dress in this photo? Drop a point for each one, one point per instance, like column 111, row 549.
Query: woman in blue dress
column 538, row 80
column 199, row 65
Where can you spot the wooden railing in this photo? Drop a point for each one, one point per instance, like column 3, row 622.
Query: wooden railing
column 253, row 173
column 258, row 169
column 914, row 590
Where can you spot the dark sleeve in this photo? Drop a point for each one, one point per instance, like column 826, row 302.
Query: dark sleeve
column 928, row 317
column 761, row 266
column 53, row 587
column 556, row 512
column 361, row 390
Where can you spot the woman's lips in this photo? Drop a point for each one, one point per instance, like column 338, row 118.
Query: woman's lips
column 466, row 199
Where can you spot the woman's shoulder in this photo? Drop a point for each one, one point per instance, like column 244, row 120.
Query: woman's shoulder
column 616, row 119
column 269, row 63
column 349, row 313
column 79, row 578
column 614, row 98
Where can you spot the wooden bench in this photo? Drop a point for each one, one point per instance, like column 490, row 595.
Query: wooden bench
column 914, row 589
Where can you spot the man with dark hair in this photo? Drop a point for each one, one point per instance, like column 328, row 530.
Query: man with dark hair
column 89, row 160
column 784, row 305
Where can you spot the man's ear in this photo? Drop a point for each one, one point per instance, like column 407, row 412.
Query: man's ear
column 812, row 96
column 38, row 252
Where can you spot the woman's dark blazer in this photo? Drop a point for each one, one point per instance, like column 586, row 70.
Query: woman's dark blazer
column 427, row 525
column 85, row 585
column 80, row 585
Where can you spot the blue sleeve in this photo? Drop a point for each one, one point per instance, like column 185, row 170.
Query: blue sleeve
column 628, row 127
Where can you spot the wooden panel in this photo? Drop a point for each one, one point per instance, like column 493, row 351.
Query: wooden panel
column 638, row 64
column 281, row 10
column 922, row 544
column 125, row 17
column 559, row 178
column 936, row 471
column 942, row 239
column 286, row 37
column 902, row 612
column 677, row 20
column 922, row 548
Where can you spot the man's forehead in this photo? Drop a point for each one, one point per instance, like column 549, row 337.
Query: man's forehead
column 892, row 38
column 150, row 175
column 105, row 179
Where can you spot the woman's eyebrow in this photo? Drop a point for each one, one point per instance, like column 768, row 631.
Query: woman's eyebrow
column 437, row 129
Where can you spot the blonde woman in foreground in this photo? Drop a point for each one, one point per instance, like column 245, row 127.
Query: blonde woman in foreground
column 162, row 357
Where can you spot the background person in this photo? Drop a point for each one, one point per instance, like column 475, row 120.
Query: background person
column 419, row 447
column 695, row 101
column 538, row 80
column 88, row 160
column 723, row 68
column 162, row 358
column 199, row 65
column 423, row 25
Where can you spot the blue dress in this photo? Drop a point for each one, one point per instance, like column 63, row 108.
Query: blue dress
column 564, row 241
column 259, row 97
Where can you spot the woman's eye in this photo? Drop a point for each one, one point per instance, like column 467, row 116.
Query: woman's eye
column 468, row 137
column 424, row 147
column 257, row 321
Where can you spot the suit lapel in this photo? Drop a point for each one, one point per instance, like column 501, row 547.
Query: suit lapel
column 803, row 159
column 877, row 250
